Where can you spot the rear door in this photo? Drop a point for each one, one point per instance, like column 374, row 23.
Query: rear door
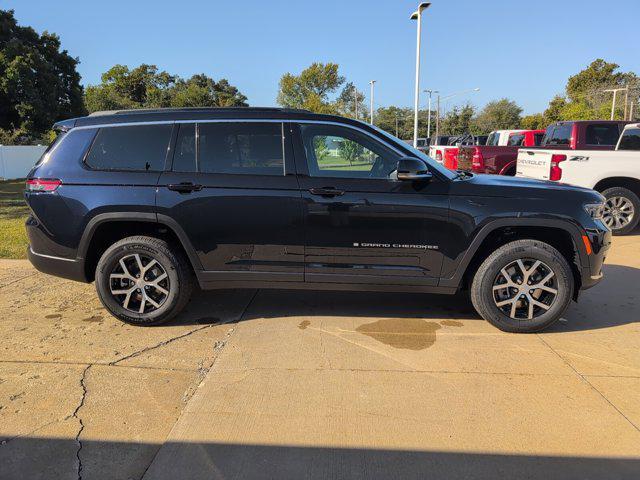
column 361, row 225
column 233, row 191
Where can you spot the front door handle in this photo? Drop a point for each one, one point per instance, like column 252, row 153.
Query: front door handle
column 326, row 192
column 184, row 187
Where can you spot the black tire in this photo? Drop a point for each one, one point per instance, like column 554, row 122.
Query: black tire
column 178, row 281
column 627, row 195
column 489, row 274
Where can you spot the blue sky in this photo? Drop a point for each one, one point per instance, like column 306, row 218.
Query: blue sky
column 521, row 50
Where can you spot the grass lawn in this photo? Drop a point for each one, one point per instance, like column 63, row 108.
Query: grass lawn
column 13, row 213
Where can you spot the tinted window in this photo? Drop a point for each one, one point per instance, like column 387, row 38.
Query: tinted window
column 334, row 151
column 493, row 139
column 602, row 134
column 141, row 147
column 630, row 139
column 561, row 134
column 184, row 156
column 243, row 148
column 547, row 135
column 537, row 138
column 516, row 139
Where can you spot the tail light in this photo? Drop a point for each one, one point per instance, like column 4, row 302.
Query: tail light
column 42, row 185
column 477, row 161
column 439, row 156
column 556, row 172
column 451, row 158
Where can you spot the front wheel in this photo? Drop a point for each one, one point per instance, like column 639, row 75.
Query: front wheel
column 522, row 287
column 143, row 280
column 621, row 210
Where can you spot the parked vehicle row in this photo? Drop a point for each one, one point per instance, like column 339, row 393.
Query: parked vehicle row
column 150, row 203
column 614, row 173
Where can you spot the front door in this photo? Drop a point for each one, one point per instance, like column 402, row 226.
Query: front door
column 361, row 224
column 232, row 189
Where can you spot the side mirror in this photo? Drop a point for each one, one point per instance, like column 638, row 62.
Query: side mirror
column 413, row 169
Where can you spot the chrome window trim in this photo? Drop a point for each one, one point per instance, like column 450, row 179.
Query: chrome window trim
column 241, row 120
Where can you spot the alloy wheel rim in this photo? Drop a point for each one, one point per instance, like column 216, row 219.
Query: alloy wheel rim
column 525, row 289
column 139, row 283
column 618, row 212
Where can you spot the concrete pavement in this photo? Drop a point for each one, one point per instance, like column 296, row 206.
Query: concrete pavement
column 292, row 384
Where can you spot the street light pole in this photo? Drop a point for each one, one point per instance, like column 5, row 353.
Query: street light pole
column 417, row 15
column 356, row 101
column 429, row 112
column 372, row 83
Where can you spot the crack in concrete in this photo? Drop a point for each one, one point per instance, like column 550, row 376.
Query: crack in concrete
column 161, row 344
column 75, row 415
column 585, row 380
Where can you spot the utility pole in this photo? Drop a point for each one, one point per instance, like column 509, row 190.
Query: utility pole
column 613, row 103
column 397, row 125
column 356, row 101
column 626, row 101
column 438, row 117
column 417, row 15
column 372, row 83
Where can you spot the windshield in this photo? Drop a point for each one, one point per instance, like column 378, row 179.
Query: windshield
column 433, row 165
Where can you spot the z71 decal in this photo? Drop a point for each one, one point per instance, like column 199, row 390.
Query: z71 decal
column 579, row 158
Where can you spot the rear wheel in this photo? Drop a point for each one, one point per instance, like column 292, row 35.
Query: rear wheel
column 621, row 210
column 524, row 286
column 143, row 280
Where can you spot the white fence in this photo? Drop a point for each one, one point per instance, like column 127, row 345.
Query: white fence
column 15, row 162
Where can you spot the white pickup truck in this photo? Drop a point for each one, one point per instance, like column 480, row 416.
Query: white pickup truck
column 614, row 173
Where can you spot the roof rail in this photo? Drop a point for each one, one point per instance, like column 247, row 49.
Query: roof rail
column 195, row 109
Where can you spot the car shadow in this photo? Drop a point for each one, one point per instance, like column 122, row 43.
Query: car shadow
column 613, row 302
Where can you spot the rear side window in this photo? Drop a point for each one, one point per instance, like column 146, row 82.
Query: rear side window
column 561, row 134
column 602, row 134
column 537, row 138
column 136, row 148
column 251, row 148
column 516, row 139
column 630, row 139
column 493, row 139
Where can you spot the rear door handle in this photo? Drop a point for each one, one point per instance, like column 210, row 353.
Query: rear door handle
column 326, row 192
column 184, row 187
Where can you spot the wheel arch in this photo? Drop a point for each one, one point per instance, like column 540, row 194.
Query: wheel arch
column 630, row 183
column 562, row 235
column 105, row 229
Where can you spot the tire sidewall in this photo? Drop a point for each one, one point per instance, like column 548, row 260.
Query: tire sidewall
column 563, row 275
column 633, row 198
column 109, row 261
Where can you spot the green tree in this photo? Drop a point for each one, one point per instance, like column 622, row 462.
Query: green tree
column 347, row 101
column 311, row 89
column 386, row 117
column 533, row 122
column 458, row 121
column 498, row 115
column 39, row 83
column 146, row 87
column 350, row 150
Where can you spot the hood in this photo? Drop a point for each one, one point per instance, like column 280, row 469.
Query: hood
column 504, row 186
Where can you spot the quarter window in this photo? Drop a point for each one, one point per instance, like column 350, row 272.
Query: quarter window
column 602, row 134
column 137, row 148
column 334, row 151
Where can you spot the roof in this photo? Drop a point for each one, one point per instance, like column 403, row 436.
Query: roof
column 195, row 114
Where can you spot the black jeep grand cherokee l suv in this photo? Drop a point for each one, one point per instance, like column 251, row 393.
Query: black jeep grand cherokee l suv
column 150, row 203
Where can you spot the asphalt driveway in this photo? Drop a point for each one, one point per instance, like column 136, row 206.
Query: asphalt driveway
column 292, row 384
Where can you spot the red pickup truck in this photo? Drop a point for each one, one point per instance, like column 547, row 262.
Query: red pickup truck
column 498, row 159
column 570, row 135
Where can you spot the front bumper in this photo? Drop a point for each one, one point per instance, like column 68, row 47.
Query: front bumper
column 600, row 240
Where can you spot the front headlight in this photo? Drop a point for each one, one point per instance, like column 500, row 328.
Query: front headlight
column 595, row 210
